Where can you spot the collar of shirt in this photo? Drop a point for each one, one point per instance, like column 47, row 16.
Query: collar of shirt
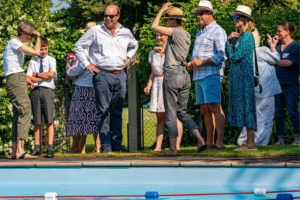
column 102, row 25
column 208, row 27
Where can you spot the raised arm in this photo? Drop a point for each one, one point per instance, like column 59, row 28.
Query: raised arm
column 245, row 47
column 162, row 29
column 32, row 51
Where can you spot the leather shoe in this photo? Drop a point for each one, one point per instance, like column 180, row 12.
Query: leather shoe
column 120, row 149
column 49, row 154
column 35, row 153
column 107, row 150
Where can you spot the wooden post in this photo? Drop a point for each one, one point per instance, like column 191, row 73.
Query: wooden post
column 134, row 112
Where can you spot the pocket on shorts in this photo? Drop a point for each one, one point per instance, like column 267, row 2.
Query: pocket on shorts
column 22, row 106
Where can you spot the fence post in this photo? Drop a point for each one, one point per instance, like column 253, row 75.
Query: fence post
column 134, row 113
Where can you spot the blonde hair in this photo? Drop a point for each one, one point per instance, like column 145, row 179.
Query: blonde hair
column 256, row 36
column 249, row 26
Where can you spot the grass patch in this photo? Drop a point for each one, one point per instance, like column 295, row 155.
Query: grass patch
column 150, row 137
column 267, row 151
column 149, row 130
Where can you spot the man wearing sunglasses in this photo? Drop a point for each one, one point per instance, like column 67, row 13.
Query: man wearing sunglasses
column 110, row 48
column 207, row 61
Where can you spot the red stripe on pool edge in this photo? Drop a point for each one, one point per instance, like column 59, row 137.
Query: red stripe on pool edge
column 160, row 195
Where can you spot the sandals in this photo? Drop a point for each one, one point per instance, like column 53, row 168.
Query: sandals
column 201, row 148
column 171, row 153
column 24, row 157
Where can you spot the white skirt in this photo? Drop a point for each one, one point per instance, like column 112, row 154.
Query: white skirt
column 157, row 101
column 265, row 109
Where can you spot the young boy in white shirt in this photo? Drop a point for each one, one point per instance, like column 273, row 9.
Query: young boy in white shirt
column 42, row 71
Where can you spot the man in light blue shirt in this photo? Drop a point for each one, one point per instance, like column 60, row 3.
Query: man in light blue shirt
column 206, row 62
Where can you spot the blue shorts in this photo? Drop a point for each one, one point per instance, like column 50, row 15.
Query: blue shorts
column 208, row 90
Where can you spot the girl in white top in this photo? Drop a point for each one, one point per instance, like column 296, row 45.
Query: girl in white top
column 13, row 60
column 156, row 59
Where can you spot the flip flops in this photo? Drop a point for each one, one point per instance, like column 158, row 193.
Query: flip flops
column 23, row 156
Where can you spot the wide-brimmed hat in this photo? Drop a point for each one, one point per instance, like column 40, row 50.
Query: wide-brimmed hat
column 88, row 25
column 205, row 5
column 174, row 13
column 243, row 11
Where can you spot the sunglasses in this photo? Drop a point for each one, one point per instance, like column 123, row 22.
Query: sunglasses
column 110, row 16
column 200, row 13
column 236, row 17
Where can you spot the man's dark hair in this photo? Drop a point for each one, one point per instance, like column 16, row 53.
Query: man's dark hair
column 44, row 42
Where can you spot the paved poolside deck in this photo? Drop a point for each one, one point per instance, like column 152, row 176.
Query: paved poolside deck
column 162, row 161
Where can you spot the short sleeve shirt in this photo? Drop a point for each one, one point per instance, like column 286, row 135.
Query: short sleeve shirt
column 49, row 64
column 288, row 75
column 177, row 49
column 13, row 59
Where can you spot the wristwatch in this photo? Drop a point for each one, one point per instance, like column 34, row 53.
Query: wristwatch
column 36, row 75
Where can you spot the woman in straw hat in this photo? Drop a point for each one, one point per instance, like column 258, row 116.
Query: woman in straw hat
column 240, row 47
column 176, row 81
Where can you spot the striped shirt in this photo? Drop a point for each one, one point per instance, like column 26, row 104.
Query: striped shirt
column 209, row 43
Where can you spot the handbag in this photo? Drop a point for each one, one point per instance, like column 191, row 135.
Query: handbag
column 256, row 75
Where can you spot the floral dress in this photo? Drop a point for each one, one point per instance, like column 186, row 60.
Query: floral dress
column 241, row 106
column 157, row 101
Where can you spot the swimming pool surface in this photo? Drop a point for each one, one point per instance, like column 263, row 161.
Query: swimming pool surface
column 138, row 180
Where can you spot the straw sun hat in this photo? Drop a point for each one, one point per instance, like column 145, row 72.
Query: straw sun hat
column 242, row 11
column 88, row 25
column 174, row 13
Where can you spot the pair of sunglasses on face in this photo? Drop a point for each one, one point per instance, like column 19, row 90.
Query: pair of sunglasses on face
column 236, row 17
column 200, row 13
column 110, row 16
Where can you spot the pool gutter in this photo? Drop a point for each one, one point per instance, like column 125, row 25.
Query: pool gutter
column 148, row 163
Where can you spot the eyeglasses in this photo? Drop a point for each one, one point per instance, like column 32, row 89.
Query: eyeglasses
column 110, row 16
column 236, row 17
column 200, row 13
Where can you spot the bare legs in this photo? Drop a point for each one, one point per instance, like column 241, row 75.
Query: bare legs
column 214, row 119
column 79, row 144
column 97, row 146
column 160, row 128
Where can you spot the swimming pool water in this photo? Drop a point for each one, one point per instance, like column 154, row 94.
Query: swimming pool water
column 138, row 180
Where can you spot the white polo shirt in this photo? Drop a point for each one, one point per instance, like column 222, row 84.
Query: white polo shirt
column 13, row 59
column 48, row 63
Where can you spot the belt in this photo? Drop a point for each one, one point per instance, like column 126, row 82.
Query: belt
column 111, row 71
column 159, row 75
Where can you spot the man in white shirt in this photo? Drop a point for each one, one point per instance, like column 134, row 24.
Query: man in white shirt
column 42, row 71
column 111, row 47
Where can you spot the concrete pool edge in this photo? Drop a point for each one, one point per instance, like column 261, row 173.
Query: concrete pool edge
column 148, row 163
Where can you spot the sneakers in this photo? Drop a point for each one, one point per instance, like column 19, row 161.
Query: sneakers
column 279, row 143
column 49, row 154
column 107, row 150
column 120, row 149
column 245, row 147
